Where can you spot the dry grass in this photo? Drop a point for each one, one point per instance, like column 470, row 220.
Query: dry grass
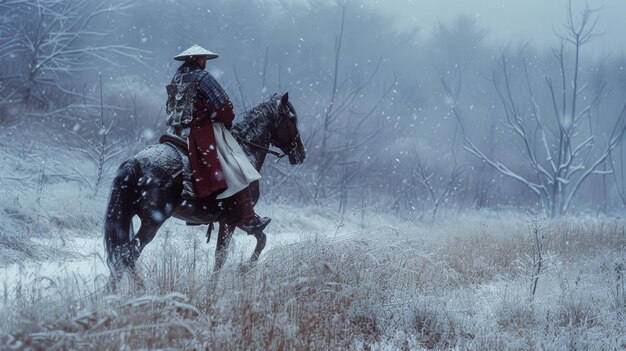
column 449, row 287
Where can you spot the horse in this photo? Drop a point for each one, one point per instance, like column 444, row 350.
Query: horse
column 149, row 185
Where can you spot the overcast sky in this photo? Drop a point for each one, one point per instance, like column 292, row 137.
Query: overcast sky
column 512, row 20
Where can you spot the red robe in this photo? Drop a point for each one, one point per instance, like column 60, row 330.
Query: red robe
column 207, row 170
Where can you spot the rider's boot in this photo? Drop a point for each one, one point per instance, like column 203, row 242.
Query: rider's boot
column 256, row 225
column 251, row 223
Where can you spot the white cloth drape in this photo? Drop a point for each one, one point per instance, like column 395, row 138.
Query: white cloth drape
column 238, row 170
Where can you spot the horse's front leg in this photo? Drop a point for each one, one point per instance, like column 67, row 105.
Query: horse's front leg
column 261, row 240
column 224, row 236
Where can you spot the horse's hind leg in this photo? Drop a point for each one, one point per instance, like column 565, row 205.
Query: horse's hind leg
column 146, row 233
column 224, row 236
column 153, row 213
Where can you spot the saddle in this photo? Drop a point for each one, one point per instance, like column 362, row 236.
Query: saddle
column 180, row 145
column 215, row 210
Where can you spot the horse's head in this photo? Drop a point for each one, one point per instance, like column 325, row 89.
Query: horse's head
column 285, row 134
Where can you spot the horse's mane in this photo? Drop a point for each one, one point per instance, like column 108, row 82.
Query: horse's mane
column 253, row 121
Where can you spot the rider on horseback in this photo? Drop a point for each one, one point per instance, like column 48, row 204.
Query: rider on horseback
column 199, row 110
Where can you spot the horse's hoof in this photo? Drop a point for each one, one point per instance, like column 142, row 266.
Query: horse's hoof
column 111, row 286
column 138, row 284
column 127, row 281
column 245, row 268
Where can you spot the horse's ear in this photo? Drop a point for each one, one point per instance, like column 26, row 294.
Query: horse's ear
column 284, row 99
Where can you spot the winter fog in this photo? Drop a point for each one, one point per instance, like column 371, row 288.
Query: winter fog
column 450, row 175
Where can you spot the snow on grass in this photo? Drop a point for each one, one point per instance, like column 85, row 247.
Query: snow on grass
column 41, row 197
column 360, row 280
column 378, row 286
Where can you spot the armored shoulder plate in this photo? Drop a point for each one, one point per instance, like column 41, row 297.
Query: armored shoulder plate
column 181, row 98
column 213, row 91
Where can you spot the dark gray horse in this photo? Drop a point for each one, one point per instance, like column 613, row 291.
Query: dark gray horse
column 149, row 185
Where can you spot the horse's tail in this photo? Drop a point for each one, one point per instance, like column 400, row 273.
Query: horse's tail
column 119, row 215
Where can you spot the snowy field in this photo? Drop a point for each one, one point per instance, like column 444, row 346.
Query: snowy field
column 362, row 280
column 464, row 186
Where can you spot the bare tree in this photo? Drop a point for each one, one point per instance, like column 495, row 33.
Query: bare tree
column 438, row 186
column 142, row 118
column 538, row 262
column 56, row 38
column 351, row 137
column 99, row 148
column 559, row 159
column 8, row 45
column 8, row 28
column 616, row 157
column 538, row 259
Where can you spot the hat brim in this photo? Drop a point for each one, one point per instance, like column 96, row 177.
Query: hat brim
column 187, row 57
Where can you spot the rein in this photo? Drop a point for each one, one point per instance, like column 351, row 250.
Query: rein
column 268, row 150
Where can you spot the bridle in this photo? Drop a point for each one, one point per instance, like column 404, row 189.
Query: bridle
column 293, row 144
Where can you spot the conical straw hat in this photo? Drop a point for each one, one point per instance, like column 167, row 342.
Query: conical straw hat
column 194, row 51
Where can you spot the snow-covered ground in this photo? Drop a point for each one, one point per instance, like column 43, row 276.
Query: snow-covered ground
column 360, row 280
column 81, row 255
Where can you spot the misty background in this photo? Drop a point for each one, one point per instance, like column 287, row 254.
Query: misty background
column 422, row 108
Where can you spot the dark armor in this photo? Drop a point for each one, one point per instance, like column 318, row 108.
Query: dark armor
column 181, row 97
column 183, row 91
column 213, row 92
